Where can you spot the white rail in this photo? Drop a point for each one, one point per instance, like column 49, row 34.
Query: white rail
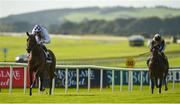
column 89, row 67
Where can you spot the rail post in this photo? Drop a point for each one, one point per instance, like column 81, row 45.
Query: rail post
column 53, row 86
column 121, row 80
column 112, row 80
column 89, row 79
column 10, row 79
column 25, row 79
column 101, row 80
column 141, row 81
column 39, row 84
column 130, row 82
column 77, row 80
column 174, row 76
column 66, row 80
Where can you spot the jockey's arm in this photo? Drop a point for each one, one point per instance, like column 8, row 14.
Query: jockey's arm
column 151, row 45
column 162, row 46
column 46, row 38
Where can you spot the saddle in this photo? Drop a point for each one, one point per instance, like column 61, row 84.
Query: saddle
column 47, row 54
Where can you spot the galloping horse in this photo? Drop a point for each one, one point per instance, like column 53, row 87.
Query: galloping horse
column 157, row 70
column 37, row 63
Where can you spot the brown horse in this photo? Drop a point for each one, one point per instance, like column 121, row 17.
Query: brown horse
column 37, row 63
column 157, row 70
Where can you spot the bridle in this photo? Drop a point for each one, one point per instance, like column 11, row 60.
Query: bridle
column 29, row 49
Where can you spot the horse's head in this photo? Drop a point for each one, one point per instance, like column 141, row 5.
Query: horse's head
column 155, row 50
column 31, row 42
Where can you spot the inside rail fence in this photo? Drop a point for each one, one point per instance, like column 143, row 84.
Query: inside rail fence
column 174, row 70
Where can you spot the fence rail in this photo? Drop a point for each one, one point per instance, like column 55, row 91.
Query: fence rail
column 174, row 70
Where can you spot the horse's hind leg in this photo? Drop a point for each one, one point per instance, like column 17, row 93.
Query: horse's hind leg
column 50, row 86
column 31, row 82
column 165, row 83
column 51, row 76
column 165, row 77
column 42, row 87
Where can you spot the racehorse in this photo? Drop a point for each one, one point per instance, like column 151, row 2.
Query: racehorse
column 37, row 63
column 157, row 70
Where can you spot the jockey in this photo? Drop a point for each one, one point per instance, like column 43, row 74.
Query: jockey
column 42, row 37
column 157, row 40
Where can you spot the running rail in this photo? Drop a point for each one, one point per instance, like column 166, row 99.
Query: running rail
column 89, row 67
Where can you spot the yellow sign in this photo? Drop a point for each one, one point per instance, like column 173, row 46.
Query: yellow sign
column 130, row 62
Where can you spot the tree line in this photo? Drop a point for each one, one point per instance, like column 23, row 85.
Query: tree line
column 119, row 27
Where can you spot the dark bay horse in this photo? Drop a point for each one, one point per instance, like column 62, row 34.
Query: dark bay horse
column 157, row 70
column 37, row 63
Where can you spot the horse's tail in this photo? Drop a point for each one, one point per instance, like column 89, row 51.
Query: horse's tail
column 53, row 64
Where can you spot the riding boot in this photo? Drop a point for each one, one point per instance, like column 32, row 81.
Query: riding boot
column 165, row 62
column 164, row 58
column 48, row 56
column 148, row 61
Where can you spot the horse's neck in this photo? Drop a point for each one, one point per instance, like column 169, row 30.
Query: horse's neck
column 157, row 59
column 36, row 50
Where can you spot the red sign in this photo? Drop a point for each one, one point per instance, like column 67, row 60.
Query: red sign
column 18, row 77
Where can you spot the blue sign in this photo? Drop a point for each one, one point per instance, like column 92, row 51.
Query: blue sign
column 83, row 78
column 107, row 77
column 125, row 76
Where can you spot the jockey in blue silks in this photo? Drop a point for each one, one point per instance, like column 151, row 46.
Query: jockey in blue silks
column 158, row 41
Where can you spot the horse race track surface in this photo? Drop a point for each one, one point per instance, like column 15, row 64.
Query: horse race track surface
column 94, row 96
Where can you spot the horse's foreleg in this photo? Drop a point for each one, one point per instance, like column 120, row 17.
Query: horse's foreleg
column 156, row 82
column 31, row 81
column 160, row 84
column 152, row 85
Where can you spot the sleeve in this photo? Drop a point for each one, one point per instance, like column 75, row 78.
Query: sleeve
column 46, row 38
column 162, row 46
column 151, row 45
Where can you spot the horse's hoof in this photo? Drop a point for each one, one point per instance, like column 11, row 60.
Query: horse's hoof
column 166, row 89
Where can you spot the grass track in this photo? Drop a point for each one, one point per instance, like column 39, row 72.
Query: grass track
column 94, row 96
column 85, row 49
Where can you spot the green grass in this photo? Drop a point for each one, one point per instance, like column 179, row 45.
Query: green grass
column 86, row 49
column 95, row 96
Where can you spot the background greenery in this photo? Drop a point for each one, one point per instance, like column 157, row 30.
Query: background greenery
column 121, row 21
column 104, row 50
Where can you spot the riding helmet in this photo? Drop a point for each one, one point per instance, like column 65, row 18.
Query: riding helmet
column 36, row 28
column 157, row 37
